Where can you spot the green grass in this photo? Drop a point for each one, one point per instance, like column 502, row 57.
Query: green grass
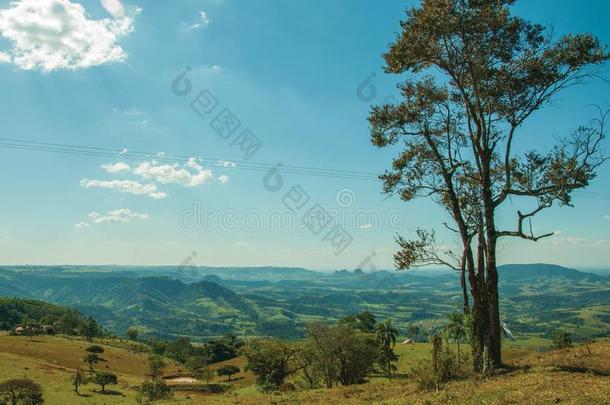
column 574, row 376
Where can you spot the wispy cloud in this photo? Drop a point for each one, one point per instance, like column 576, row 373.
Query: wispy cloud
column 51, row 35
column 121, row 215
column 223, row 178
column 125, row 186
column 203, row 21
column 560, row 238
column 116, row 167
column 117, row 216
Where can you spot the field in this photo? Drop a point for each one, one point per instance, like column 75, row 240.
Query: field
column 580, row 376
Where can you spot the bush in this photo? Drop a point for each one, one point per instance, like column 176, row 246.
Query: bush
column 154, row 390
column 228, row 370
column 95, row 349
column 287, row 387
column 562, row 340
column 430, row 375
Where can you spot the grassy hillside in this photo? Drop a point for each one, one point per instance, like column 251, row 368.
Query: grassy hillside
column 574, row 376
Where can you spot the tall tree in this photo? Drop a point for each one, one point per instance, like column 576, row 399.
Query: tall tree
column 477, row 73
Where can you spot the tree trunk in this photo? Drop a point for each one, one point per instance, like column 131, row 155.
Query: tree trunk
column 491, row 286
column 495, row 351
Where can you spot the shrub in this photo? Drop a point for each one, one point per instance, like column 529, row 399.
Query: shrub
column 228, row 370
column 562, row 340
column 287, row 387
column 154, row 390
column 95, row 349
column 431, row 374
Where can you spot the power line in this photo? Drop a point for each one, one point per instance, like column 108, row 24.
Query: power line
column 92, row 151
column 105, row 152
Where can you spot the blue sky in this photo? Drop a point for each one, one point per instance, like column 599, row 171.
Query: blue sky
column 290, row 73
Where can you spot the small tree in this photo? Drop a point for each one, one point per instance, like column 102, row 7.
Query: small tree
column 456, row 329
column 155, row 390
column 386, row 335
column 89, row 329
column 228, row 370
column 104, row 378
column 78, row 380
column 156, row 364
column 91, row 359
column 366, row 321
column 21, row 391
column 95, row 349
column 132, row 334
column 562, row 340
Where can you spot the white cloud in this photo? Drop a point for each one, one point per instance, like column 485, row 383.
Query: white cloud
column 166, row 173
column 561, row 238
column 82, row 224
column 58, row 34
column 114, row 7
column 202, row 22
column 124, row 151
column 121, row 215
column 223, row 178
column 116, row 168
column 125, row 186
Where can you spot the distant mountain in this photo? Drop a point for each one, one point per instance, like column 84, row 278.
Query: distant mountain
column 160, row 305
column 203, row 302
column 542, row 270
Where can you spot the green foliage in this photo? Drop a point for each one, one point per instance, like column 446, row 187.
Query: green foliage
column 155, row 390
column 271, row 360
column 95, row 349
column 156, row 364
column 104, row 378
column 432, row 374
column 386, row 335
column 21, row 391
column 132, row 334
column 204, row 373
column 228, row 370
column 214, row 351
column 78, row 379
column 456, row 329
column 363, row 321
column 562, row 340
column 337, row 353
column 17, row 311
column 91, row 359
column 266, row 385
column 89, row 328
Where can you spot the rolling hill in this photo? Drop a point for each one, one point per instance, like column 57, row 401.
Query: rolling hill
column 202, row 302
